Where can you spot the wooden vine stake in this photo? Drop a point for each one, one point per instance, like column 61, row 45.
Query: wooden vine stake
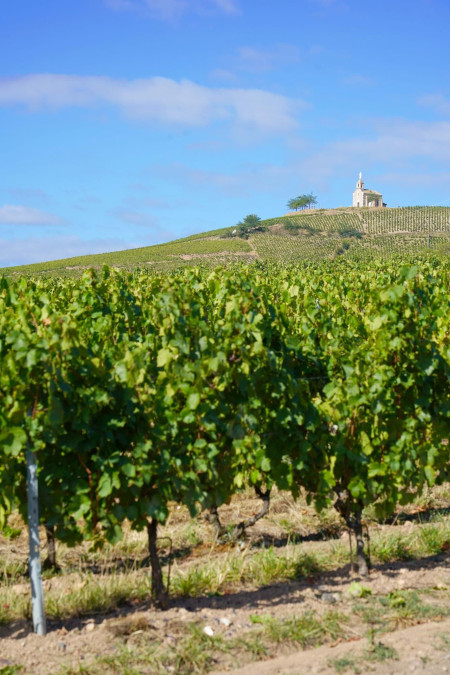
column 37, row 593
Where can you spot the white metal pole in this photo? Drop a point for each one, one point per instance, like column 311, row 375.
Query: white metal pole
column 37, row 593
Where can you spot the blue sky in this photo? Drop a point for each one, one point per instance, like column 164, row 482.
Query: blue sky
column 126, row 123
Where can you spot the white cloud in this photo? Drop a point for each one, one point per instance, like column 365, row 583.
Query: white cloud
column 437, row 101
column 157, row 99
column 12, row 214
column 395, row 144
column 171, row 9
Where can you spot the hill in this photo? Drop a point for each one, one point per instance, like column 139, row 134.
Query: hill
column 311, row 235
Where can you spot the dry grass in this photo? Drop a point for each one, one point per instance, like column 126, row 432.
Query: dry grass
column 292, row 542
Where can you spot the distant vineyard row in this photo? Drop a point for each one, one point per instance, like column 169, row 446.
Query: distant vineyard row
column 274, row 246
column 364, row 233
column 372, row 221
column 137, row 391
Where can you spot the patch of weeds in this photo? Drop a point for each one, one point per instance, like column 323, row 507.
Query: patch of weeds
column 434, row 539
column 306, row 630
column 339, row 552
column 193, row 581
column 378, row 651
column 388, row 547
column 253, row 645
column 414, row 609
column 407, row 607
column 196, row 652
column 371, row 613
column 122, row 662
column 14, row 605
column 11, row 670
column 306, row 565
column 396, row 599
column 259, row 618
column 357, row 590
column 260, row 569
column 13, row 570
column 267, row 567
column 234, row 572
column 345, row 663
column 288, row 526
column 10, row 533
column 97, row 594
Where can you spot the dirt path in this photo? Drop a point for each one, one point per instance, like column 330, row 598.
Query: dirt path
column 420, row 649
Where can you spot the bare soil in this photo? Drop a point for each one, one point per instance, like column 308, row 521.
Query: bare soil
column 421, row 648
column 79, row 644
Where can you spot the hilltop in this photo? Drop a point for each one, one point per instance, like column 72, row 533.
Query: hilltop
column 306, row 235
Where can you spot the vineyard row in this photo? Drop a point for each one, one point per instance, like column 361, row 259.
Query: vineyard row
column 138, row 391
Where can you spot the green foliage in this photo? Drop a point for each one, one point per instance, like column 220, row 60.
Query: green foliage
column 251, row 223
column 302, row 201
column 139, row 390
column 374, row 234
column 11, row 670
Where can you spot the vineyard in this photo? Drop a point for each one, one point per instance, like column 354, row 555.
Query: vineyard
column 384, row 220
column 141, row 391
column 144, row 393
column 315, row 235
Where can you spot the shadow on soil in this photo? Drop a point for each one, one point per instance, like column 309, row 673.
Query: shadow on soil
column 263, row 598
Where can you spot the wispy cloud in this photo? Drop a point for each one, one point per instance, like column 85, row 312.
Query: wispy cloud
column 396, row 144
column 227, row 6
column 439, row 102
column 156, row 100
column 13, row 214
column 171, row 9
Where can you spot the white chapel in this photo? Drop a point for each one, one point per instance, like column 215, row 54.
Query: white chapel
column 364, row 197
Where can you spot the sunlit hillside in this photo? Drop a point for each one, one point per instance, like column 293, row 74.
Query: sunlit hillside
column 307, row 235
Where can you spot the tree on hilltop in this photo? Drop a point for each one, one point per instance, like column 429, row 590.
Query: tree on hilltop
column 311, row 200
column 295, row 203
column 251, row 223
column 302, row 202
